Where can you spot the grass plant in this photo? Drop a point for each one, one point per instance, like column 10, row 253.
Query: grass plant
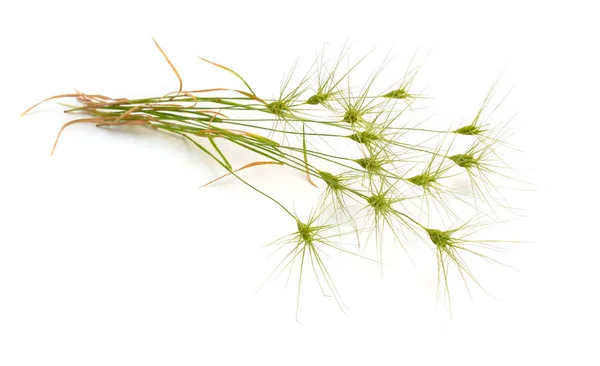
column 353, row 142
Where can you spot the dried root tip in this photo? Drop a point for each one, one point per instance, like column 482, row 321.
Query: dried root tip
column 441, row 239
column 278, row 108
column 364, row 137
column 379, row 202
column 422, row 180
column 352, row 116
column 318, row 98
column 397, row 94
column 466, row 161
column 370, row 164
column 469, row 130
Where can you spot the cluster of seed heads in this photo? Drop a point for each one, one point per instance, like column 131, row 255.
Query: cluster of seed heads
column 366, row 185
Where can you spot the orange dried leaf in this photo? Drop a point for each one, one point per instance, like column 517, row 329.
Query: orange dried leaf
column 256, row 163
column 170, row 64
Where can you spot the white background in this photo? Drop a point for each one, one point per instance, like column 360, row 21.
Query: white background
column 111, row 255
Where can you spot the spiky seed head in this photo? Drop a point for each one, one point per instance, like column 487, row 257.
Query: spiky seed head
column 370, row 164
column 305, row 232
column 352, row 116
column 331, row 180
column 468, row 130
column 466, row 161
column 441, row 239
column 364, row 137
column 422, row 180
column 379, row 202
column 318, row 98
column 278, row 108
column 397, row 94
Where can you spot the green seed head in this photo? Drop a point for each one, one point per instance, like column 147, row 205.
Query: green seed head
column 441, row 239
column 278, row 108
column 370, row 164
column 306, row 233
column 422, row 180
column 352, row 116
column 364, row 137
column 331, row 180
column 468, row 130
column 397, row 94
column 318, row 98
column 379, row 202
column 466, row 161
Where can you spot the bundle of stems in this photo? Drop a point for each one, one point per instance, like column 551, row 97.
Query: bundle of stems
column 395, row 181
